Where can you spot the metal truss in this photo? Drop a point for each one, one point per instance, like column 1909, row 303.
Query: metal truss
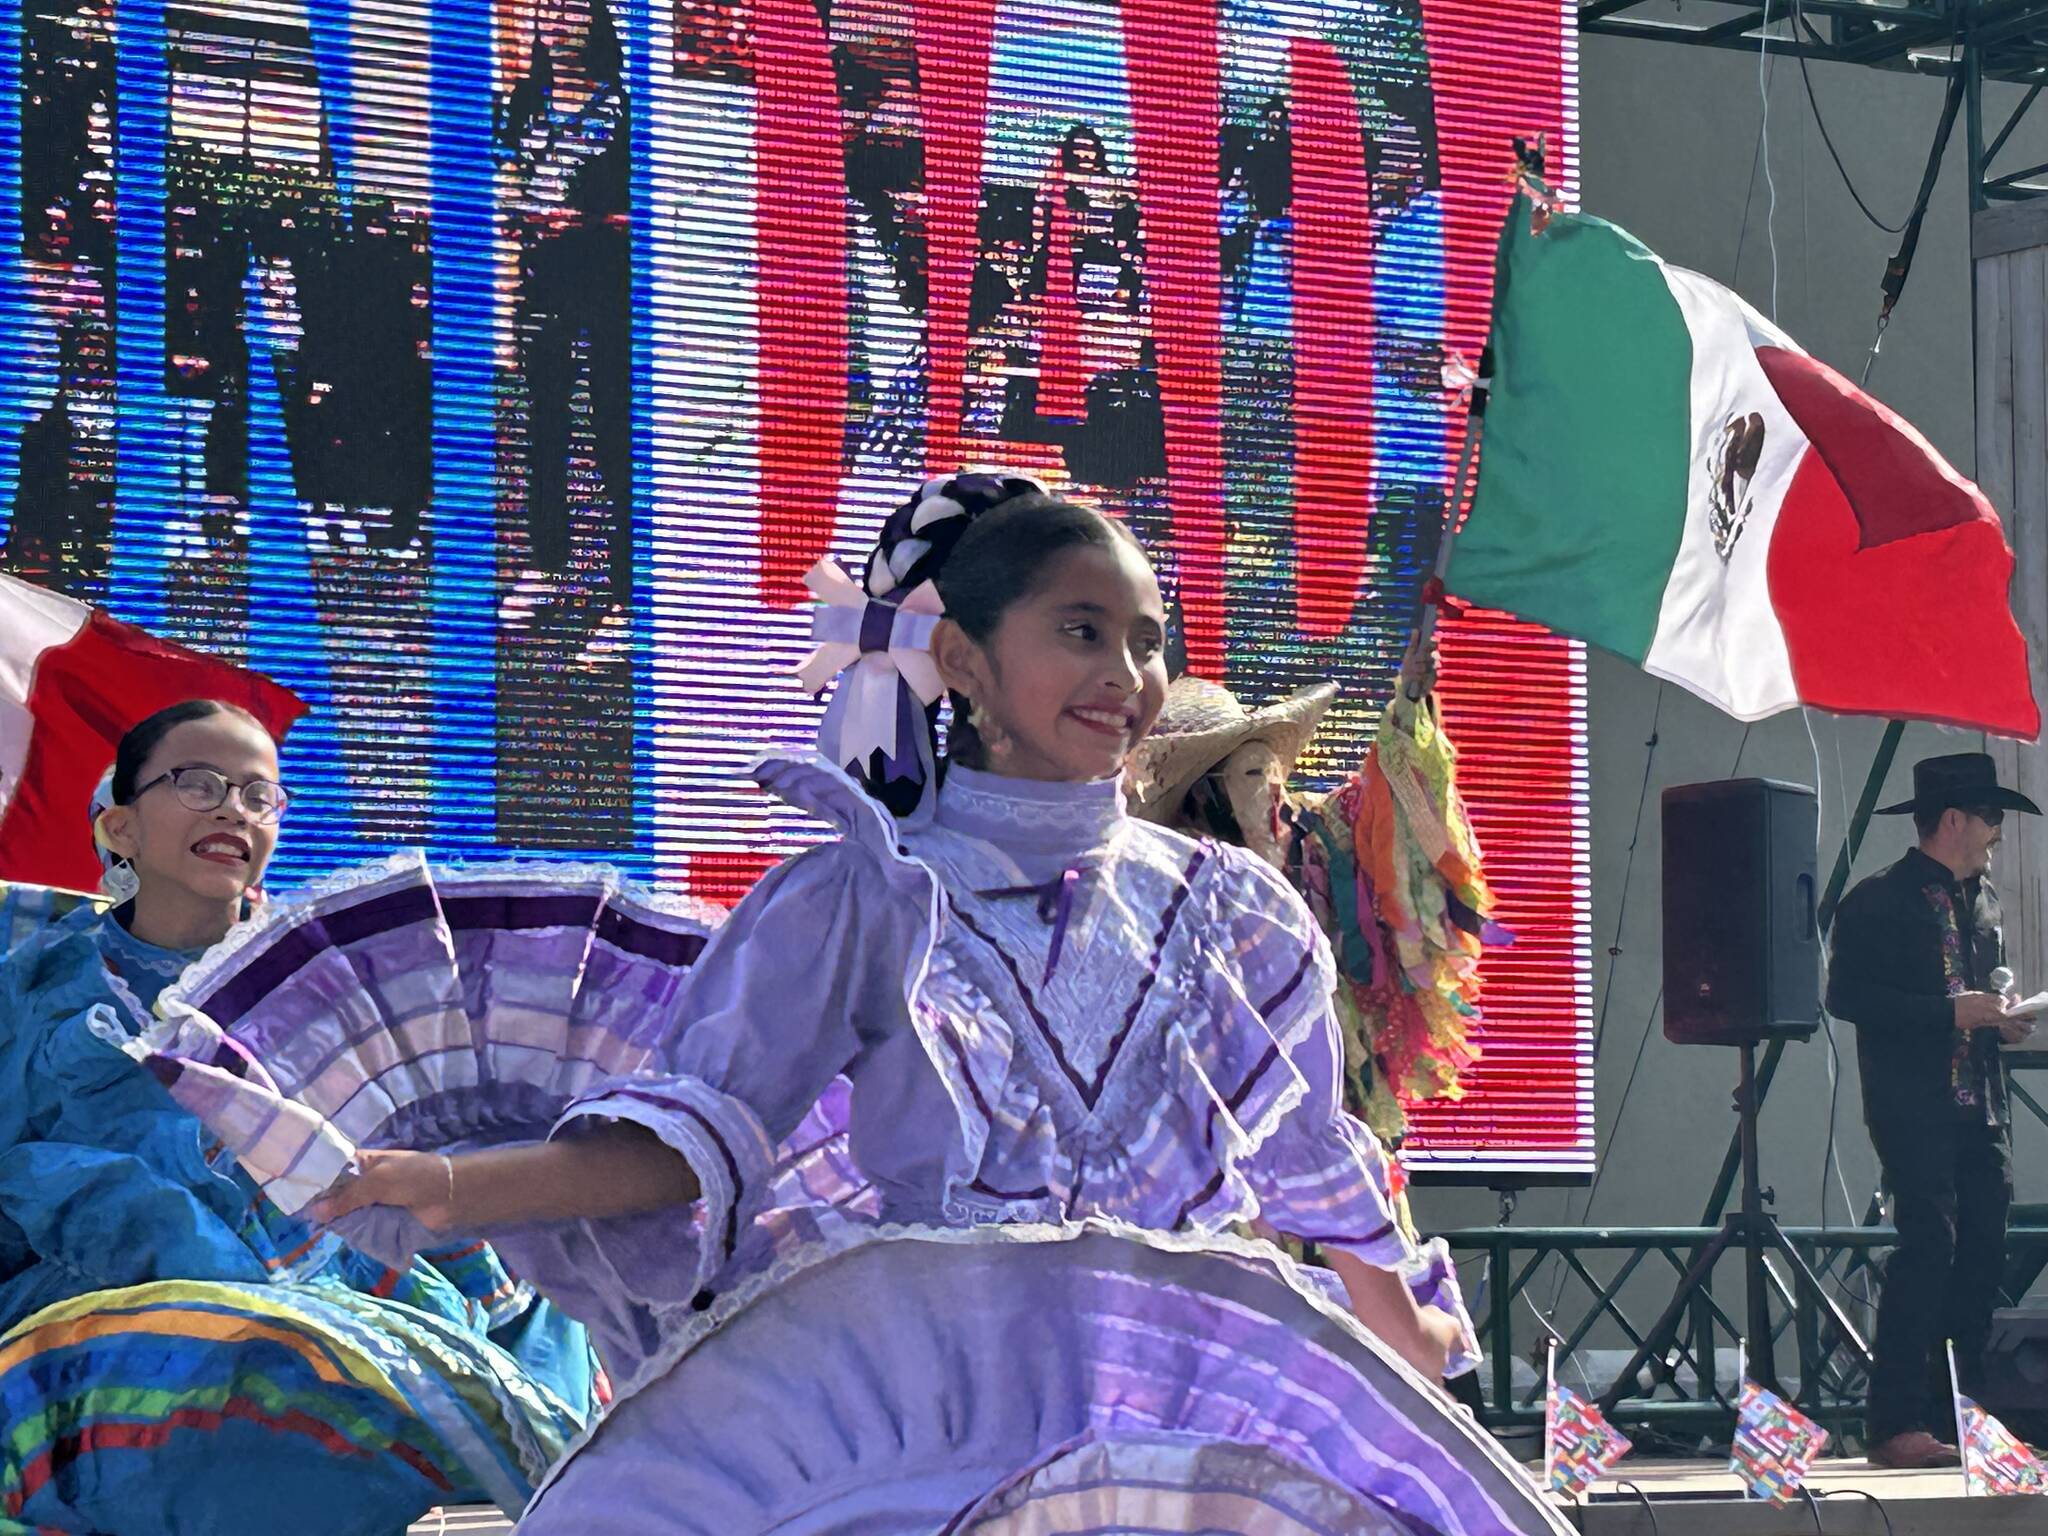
column 1681, row 1388
column 1980, row 40
column 1679, row 1385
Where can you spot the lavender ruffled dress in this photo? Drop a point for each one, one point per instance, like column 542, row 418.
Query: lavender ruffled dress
column 1082, row 1052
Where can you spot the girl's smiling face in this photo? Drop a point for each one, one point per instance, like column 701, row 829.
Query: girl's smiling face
column 210, row 856
column 1075, row 672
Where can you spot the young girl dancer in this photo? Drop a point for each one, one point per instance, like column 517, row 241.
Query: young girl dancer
column 1081, row 1049
column 160, row 1321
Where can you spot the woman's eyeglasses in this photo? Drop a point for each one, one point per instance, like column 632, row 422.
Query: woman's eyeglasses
column 206, row 789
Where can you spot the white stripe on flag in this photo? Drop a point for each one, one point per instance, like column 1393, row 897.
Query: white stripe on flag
column 32, row 621
column 1717, row 633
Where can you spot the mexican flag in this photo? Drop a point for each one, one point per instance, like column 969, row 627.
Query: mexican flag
column 1669, row 476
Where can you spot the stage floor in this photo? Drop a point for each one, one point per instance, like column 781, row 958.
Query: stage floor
column 1701, row 1498
column 1691, row 1498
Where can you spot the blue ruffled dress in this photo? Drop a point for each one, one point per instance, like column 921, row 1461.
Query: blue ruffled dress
column 178, row 1356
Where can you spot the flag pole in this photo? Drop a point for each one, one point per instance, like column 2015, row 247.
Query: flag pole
column 1550, row 1413
column 1529, row 173
column 1955, row 1401
column 1428, row 602
column 1735, row 1445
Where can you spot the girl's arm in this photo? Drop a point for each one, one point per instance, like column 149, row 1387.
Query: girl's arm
column 1423, row 1336
column 804, row 969
column 613, row 1170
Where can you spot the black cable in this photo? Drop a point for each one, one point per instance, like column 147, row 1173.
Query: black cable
column 1862, row 1493
column 1842, row 1290
column 1656, row 1003
column 1649, row 1028
column 1649, row 1023
column 1842, row 170
column 1756, row 158
column 1827, row 1155
column 1813, row 1509
column 1820, row 122
column 1613, row 1135
column 1648, row 1508
column 1627, row 871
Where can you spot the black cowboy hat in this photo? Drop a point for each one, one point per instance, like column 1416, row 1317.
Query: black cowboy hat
column 1968, row 780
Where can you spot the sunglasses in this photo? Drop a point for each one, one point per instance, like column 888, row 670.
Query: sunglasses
column 205, row 789
column 1991, row 816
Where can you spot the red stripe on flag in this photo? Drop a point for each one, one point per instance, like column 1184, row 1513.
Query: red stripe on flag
column 1916, row 627
column 83, row 698
column 1896, row 483
column 1332, row 341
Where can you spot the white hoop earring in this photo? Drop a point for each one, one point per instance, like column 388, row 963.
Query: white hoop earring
column 119, row 883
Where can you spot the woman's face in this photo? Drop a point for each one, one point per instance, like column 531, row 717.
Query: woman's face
column 214, row 855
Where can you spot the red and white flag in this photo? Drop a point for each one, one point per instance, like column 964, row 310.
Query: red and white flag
column 73, row 681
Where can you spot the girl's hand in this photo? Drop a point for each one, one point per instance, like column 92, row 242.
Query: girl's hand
column 422, row 1183
column 1419, row 668
column 1425, row 1337
column 1442, row 1336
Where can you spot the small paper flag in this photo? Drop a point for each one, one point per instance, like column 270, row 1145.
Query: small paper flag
column 1994, row 1462
column 1775, row 1444
column 1583, row 1446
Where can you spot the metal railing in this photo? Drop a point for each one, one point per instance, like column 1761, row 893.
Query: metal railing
column 1684, row 1385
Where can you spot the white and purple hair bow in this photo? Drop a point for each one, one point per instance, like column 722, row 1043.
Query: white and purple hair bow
column 877, row 638
column 881, row 652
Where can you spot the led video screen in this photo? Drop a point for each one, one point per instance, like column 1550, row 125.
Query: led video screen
column 491, row 371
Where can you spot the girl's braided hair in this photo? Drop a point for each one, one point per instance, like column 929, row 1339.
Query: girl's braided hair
column 986, row 540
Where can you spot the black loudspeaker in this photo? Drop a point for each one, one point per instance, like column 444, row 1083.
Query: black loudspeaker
column 1741, row 944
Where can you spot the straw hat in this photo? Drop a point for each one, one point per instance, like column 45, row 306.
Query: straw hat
column 1202, row 724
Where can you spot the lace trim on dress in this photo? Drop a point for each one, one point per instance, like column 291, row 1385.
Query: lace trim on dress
column 1086, row 811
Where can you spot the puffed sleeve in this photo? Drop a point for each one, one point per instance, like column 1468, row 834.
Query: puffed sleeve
column 806, row 971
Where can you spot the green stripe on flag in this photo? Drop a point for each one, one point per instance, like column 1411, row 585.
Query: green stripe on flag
column 1582, row 475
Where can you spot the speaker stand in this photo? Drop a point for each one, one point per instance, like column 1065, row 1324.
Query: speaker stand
column 1756, row 1231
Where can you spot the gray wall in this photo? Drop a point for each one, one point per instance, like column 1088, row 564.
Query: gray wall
column 1668, row 141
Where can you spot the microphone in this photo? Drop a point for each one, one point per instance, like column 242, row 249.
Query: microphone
column 2000, row 980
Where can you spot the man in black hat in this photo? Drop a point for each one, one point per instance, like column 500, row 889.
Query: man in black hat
column 1914, row 949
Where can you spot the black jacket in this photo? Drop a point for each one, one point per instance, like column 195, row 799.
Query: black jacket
column 1905, row 941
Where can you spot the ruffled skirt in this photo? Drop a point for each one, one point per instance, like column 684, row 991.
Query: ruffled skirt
column 1004, row 1381
column 221, row 1409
